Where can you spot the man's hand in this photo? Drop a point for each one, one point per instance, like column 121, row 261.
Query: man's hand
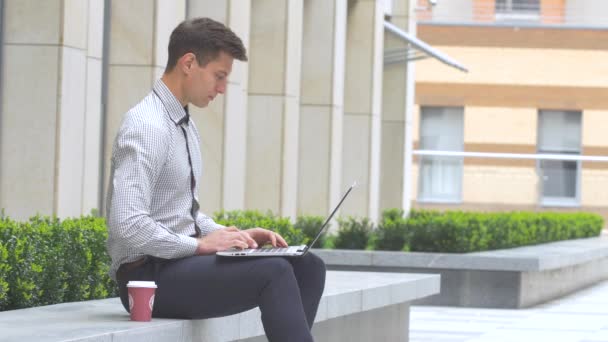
column 263, row 236
column 223, row 239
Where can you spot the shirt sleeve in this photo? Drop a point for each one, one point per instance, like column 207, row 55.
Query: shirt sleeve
column 139, row 153
column 207, row 224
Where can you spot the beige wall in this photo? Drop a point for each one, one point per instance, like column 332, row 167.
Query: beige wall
column 499, row 125
column 506, row 86
column 507, row 185
column 488, row 184
column 593, row 187
column 594, row 128
column 519, row 66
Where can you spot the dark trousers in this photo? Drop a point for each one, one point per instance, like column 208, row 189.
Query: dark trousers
column 287, row 290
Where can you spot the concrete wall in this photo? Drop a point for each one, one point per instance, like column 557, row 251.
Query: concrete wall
column 322, row 106
column 362, row 326
column 276, row 141
column 273, row 106
column 362, row 106
column 223, row 125
column 397, row 114
column 49, row 140
column 137, row 57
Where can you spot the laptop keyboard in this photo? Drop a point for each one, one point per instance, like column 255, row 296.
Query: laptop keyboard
column 269, row 250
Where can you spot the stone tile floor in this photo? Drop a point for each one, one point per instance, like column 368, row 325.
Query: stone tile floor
column 579, row 317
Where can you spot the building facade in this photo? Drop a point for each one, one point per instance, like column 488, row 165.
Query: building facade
column 525, row 128
column 302, row 120
column 327, row 98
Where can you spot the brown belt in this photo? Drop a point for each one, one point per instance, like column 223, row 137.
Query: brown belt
column 130, row 266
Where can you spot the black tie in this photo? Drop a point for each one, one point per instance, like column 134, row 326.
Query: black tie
column 195, row 206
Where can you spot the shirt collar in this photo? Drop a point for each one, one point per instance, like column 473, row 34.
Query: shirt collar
column 177, row 113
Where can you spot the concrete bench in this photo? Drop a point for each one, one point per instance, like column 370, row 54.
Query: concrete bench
column 508, row 278
column 356, row 306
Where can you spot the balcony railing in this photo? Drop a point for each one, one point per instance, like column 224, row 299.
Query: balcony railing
column 511, row 13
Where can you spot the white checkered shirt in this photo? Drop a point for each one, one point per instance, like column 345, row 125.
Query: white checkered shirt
column 149, row 197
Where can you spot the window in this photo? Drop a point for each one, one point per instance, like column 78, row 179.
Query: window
column 518, row 10
column 559, row 133
column 440, row 178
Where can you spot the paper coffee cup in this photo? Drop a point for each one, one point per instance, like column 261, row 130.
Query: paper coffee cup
column 141, row 300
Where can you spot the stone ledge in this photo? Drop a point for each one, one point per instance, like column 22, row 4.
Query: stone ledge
column 347, row 294
column 521, row 259
column 509, row 278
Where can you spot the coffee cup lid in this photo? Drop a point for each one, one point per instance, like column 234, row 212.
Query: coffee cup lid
column 141, row 284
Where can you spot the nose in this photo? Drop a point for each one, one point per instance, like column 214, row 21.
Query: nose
column 221, row 88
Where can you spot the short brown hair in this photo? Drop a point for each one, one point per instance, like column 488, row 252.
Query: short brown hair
column 206, row 38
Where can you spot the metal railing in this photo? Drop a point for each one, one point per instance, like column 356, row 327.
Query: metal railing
column 534, row 156
column 571, row 199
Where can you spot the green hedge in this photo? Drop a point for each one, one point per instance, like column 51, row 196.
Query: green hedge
column 392, row 231
column 309, row 226
column 47, row 261
column 461, row 232
column 353, row 233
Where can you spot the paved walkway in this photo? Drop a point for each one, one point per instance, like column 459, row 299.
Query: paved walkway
column 580, row 317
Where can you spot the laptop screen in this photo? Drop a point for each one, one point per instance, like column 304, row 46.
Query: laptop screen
column 330, row 216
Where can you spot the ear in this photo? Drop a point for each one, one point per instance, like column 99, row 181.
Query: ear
column 187, row 62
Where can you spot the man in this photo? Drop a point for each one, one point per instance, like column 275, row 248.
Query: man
column 156, row 231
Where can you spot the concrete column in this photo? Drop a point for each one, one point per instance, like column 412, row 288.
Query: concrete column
column 274, row 88
column 321, row 109
column 223, row 125
column 50, row 70
column 397, row 99
column 93, row 108
column 139, row 36
column 362, row 105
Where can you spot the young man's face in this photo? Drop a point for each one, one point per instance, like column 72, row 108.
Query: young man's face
column 205, row 83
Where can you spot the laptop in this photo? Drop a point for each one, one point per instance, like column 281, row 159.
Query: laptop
column 291, row 251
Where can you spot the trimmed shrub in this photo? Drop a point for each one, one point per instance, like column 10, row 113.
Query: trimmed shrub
column 353, row 233
column 309, row 226
column 4, row 269
column 5, row 266
column 46, row 261
column 93, row 262
column 462, row 232
column 392, row 233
